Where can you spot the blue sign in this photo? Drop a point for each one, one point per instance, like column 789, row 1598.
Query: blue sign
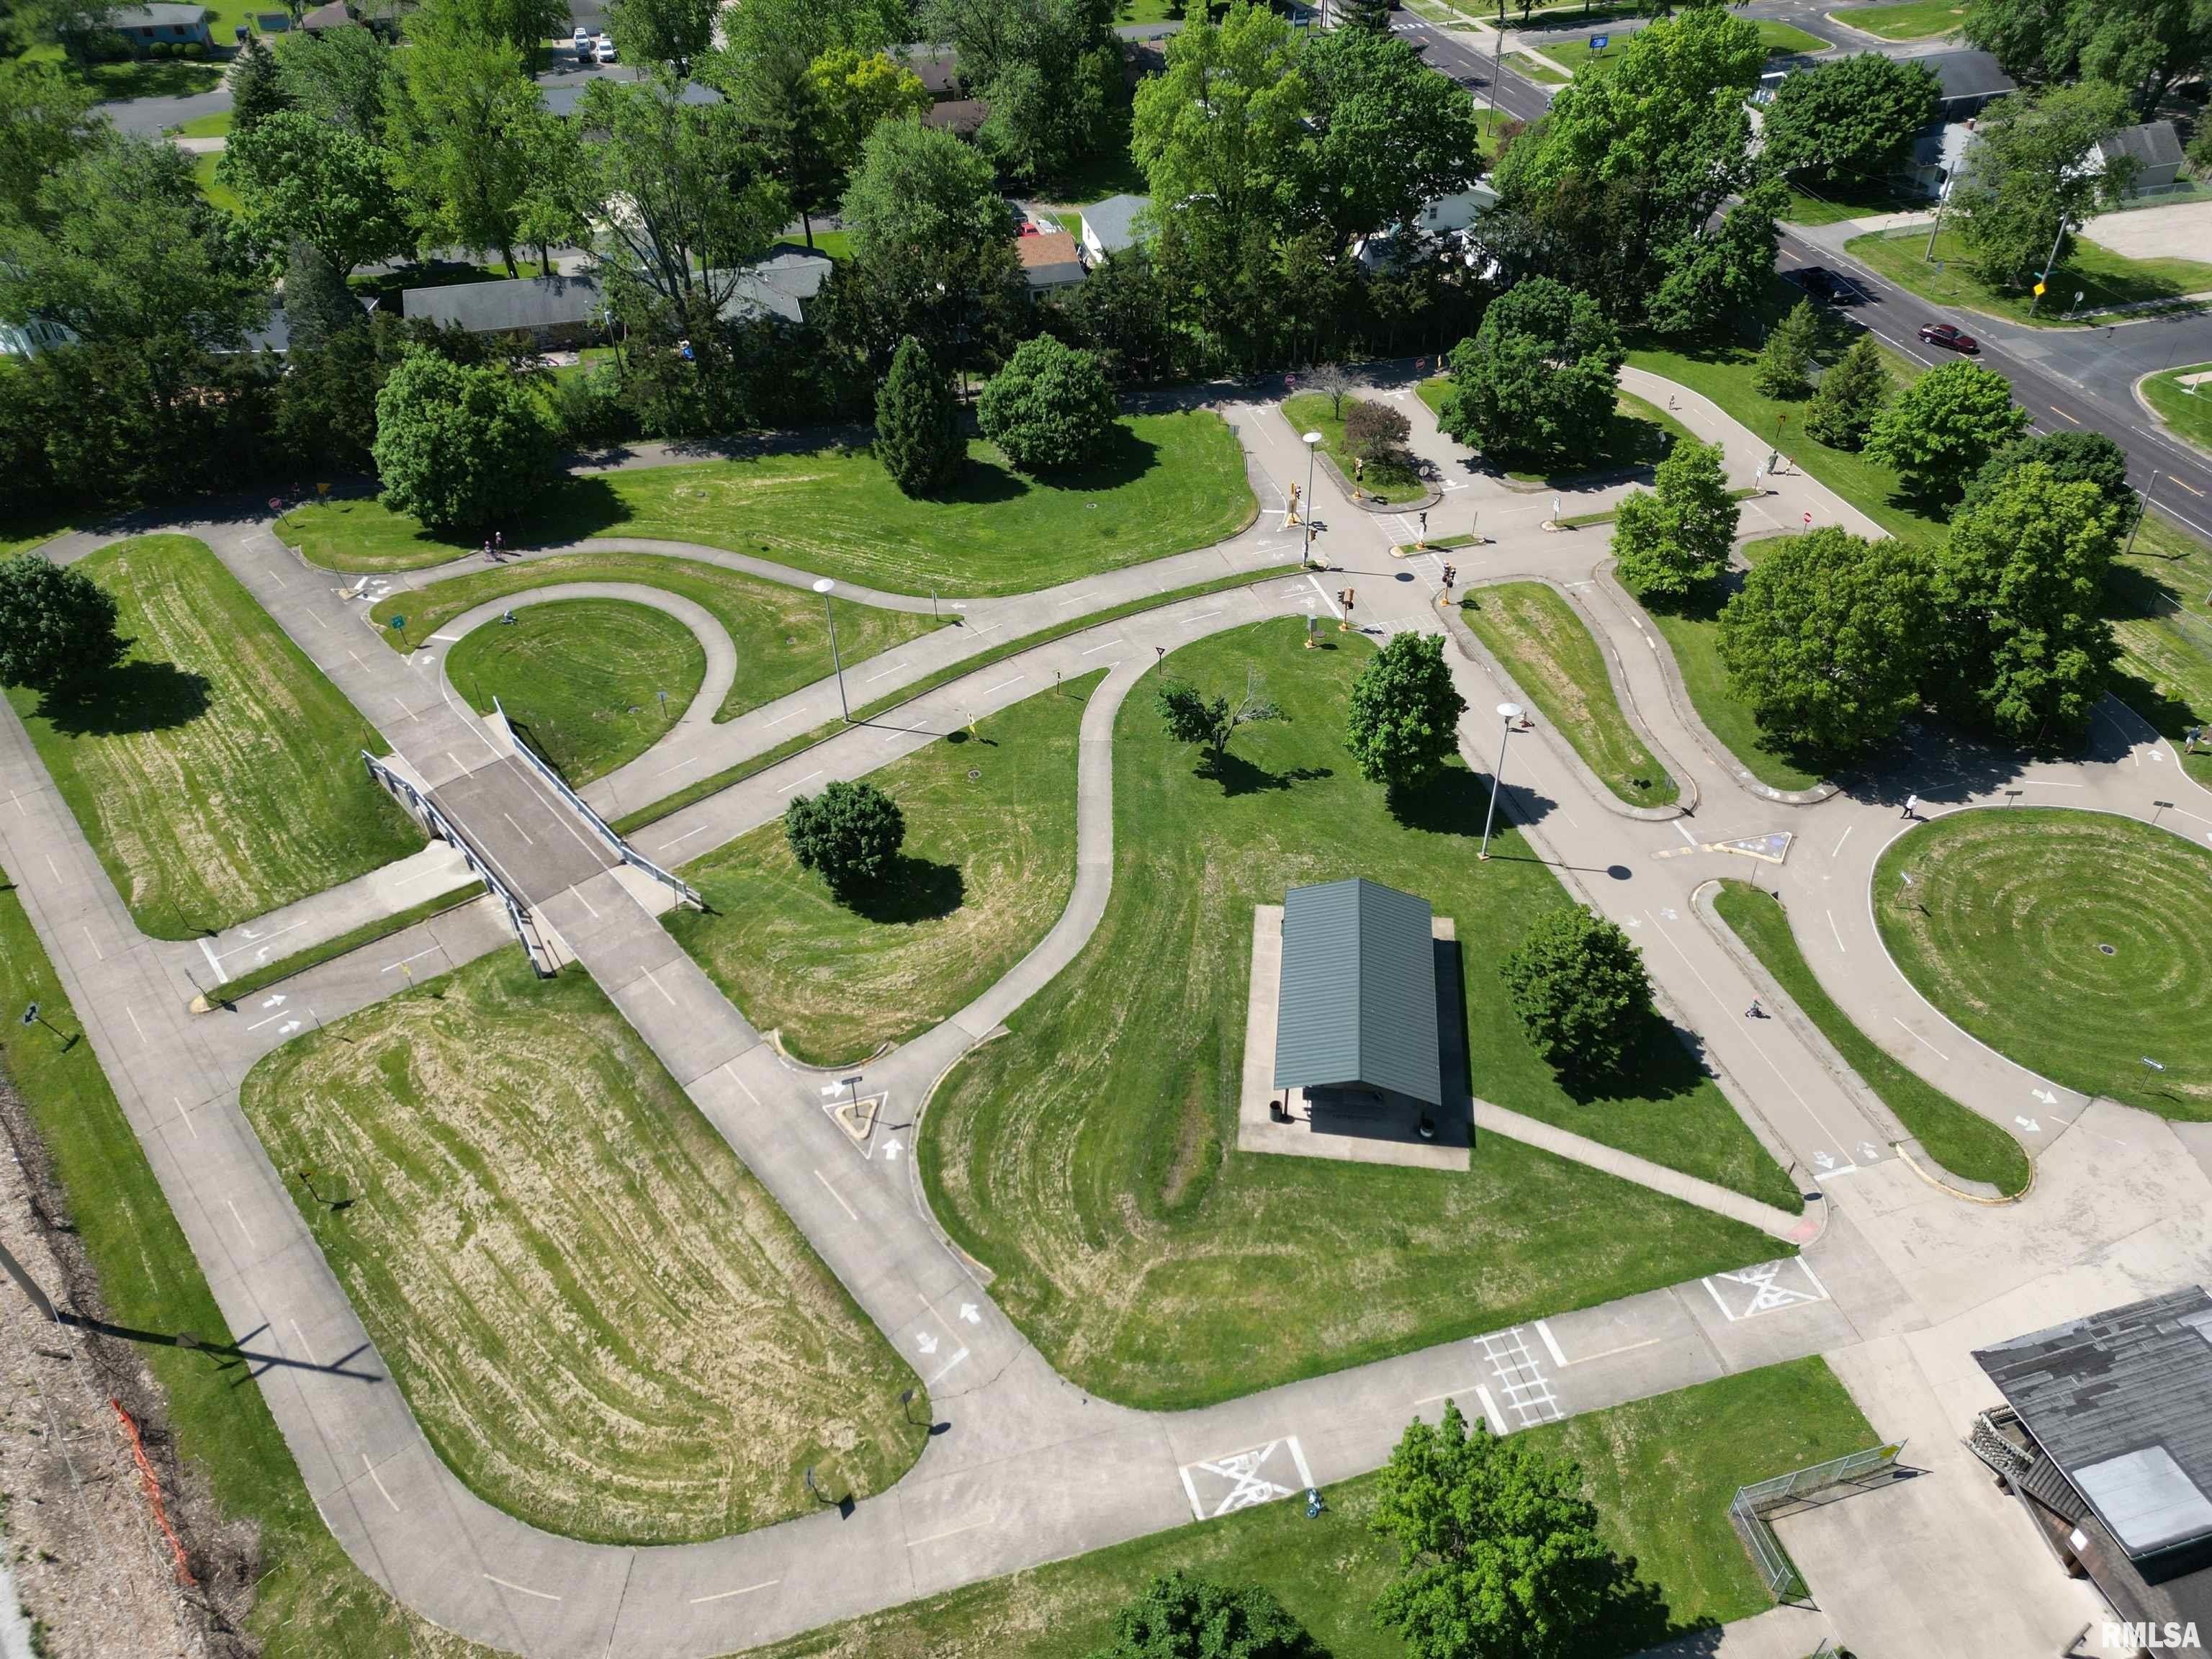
column 397, row 624
column 1600, row 42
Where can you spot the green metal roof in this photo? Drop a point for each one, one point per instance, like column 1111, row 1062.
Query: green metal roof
column 1359, row 999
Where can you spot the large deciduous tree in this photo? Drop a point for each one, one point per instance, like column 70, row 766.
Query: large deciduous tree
column 2028, row 175
column 675, row 32
column 1210, row 723
column 2071, row 457
column 1050, row 408
column 1391, row 134
column 57, row 625
column 1849, row 120
column 1049, row 69
column 465, row 126
column 459, row 447
column 2144, row 45
column 43, row 123
column 1827, row 641
column 342, row 75
column 849, row 835
column 1402, row 724
column 2025, row 650
column 300, row 176
column 1945, row 425
column 1673, row 540
column 1577, row 986
column 918, row 424
column 1536, row 380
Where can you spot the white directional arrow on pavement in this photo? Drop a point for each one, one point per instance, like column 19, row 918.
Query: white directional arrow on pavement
column 1824, row 1160
column 288, row 1028
column 2044, row 1096
column 968, row 1312
column 277, row 1001
column 828, row 1088
column 2030, row 1124
column 926, row 1341
column 891, row 1150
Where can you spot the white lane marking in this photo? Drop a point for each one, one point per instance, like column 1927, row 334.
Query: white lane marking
column 1201, row 616
column 781, row 719
column 1327, row 598
column 1840, row 840
column 809, row 778
column 242, row 1227
column 742, row 1084
column 214, row 961
column 1921, row 1040
column 834, row 1194
column 1682, row 830
column 895, row 668
column 687, row 836
column 2055, row 410
column 272, row 1020
column 307, row 1348
column 724, row 1596
column 1080, row 598
column 947, row 1370
column 1551, row 1342
column 522, row 1589
column 1109, row 646
column 417, row 956
column 658, row 986
column 1497, row 1418
column 1837, row 931
column 450, row 639
column 518, row 829
column 99, row 955
column 1608, row 1353
column 585, row 903
column 135, row 1025
column 936, row 1537
column 378, row 1478
column 1003, row 684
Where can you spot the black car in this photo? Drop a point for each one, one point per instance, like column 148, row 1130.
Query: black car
column 1816, row 280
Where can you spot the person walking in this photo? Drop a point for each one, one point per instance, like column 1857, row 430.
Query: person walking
column 1912, row 807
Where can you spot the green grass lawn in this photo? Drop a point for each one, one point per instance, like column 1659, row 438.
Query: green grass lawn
column 593, row 684
column 1914, row 20
column 1164, row 484
column 1554, row 660
column 2186, row 414
column 1960, row 1138
column 1662, row 1471
column 2154, row 597
column 216, row 125
column 1089, row 1157
column 2104, row 278
column 1779, row 39
column 2003, row 925
column 601, row 1320
column 837, row 244
column 21, row 535
column 1722, row 372
column 1816, row 201
column 1309, row 412
column 310, row 1600
column 136, row 77
column 1692, row 632
column 1638, row 439
column 1534, row 70
column 214, row 188
column 989, row 863
column 782, row 639
column 216, row 772
column 1492, row 126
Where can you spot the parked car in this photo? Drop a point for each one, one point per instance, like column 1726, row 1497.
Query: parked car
column 604, row 53
column 580, row 43
column 1816, row 280
column 1944, row 335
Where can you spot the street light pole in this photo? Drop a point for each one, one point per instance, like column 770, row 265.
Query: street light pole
column 823, row 588
column 2049, row 265
column 1312, row 443
column 1507, row 713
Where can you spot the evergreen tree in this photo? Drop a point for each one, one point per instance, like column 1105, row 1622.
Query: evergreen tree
column 1374, row 14
column 317, row 305
column 917, row 425
column 849, row 835
column 1851, row 394
column 57, row 625
column 1786, row 361
column 257, row 87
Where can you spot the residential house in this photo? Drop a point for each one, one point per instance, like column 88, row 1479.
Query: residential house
column 162, row 24
column 554, row 310
column 2105, row 1438
column 1048, row 260
column 1938, row 158
column 28, row 339
column 2155, row 149
column 1967, row 82
column 778, row 287
column 1110, row 226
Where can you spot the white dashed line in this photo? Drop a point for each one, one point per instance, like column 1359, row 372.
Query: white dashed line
column 522, row 1589
column 372, row 1475
column 834, row 1192
column 724, row 1596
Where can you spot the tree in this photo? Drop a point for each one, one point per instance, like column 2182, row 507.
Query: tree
column 1850, row 120
column 1785, row 362
column 2072, row 457
column 43, row 124
column 1122, row 312
column 342, row 75
column 1672, row 540
column 670, row 32
column 1578, row 989
column 1945, row 425
column 525, row 25
column 2028, row 186
column 849, row 835
column 1828, row 639
column 1180, row 1615
column 1210, row 722
column 301, row 176
column 257, row 87
column 459, row 447
column 1403, row 722
column 2143, row 45
column 930, row 232
column 1714, row 275
column 2020, row 580
column 1851, row 395
column 464, row 124
column 1499, row 1552
column 1536, row 380
column 57, row 625
column 1391, row 134
column 1049, row 69
column 1049, row 408
column 1376, row 432
column 1336, row 383
column 855, row 92
column 917, row 424
column 318, row 304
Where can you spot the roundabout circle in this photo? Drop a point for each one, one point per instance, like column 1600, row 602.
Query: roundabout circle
column 2078, row 943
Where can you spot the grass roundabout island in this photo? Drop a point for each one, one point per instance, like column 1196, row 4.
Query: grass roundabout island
column 2077, row 944
column 583, row 680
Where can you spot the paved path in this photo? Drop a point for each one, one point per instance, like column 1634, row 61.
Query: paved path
column 1030, row 1468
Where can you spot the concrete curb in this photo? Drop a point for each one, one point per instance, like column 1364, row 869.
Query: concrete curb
column 1470, row 645
column 1678, row 693
column 1354, row 493
column 2135, row 391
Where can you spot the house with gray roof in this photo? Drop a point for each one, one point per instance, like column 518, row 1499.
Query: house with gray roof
column 2155, row 149
column 556, row 310
column 778, row 286
column 1967, row 82
column 1110, row 226
column 160, row 23
column 1358, row 1008
column 2105, row 1438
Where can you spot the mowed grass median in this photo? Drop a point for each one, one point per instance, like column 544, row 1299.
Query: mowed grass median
column 783, row 640
column 215, row 771
column 1556, row 661
column 605, row 1324
column 584, row 679
column 1161, row 484
column 2077, row 944
column 988, row 863
column 1660, row 1471
column 1089, row 1157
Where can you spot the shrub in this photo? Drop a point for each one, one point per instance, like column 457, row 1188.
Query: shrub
column 1578, row 989
column 459, row 446
column 1376, row 433
column 849, row 835
column 1048, row 407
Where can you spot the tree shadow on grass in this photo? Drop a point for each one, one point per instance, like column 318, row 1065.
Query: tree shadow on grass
column 1120, row 457
column 1664, row 1061
column 915, row 889
column 1455, row 801
column 1239, row 777
column 133, row 696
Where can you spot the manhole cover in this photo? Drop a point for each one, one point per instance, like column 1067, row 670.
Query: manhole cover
column 2108, row 950
column 974, row 773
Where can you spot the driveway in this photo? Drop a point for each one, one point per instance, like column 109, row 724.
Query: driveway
column 2183, row 231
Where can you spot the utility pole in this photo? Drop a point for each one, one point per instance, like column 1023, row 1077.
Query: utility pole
column 2049, row 265
column 1942, row 197
column 2140, row 511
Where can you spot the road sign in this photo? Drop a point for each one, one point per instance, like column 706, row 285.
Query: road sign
column 397, row 624
column 1600, row 42
column 1808, row 520
column 2039, row 290
column 31, row 1014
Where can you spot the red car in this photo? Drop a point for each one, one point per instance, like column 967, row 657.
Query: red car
column 1943, row 334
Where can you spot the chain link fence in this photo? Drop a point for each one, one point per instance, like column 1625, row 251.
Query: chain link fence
column 1753, row 1507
